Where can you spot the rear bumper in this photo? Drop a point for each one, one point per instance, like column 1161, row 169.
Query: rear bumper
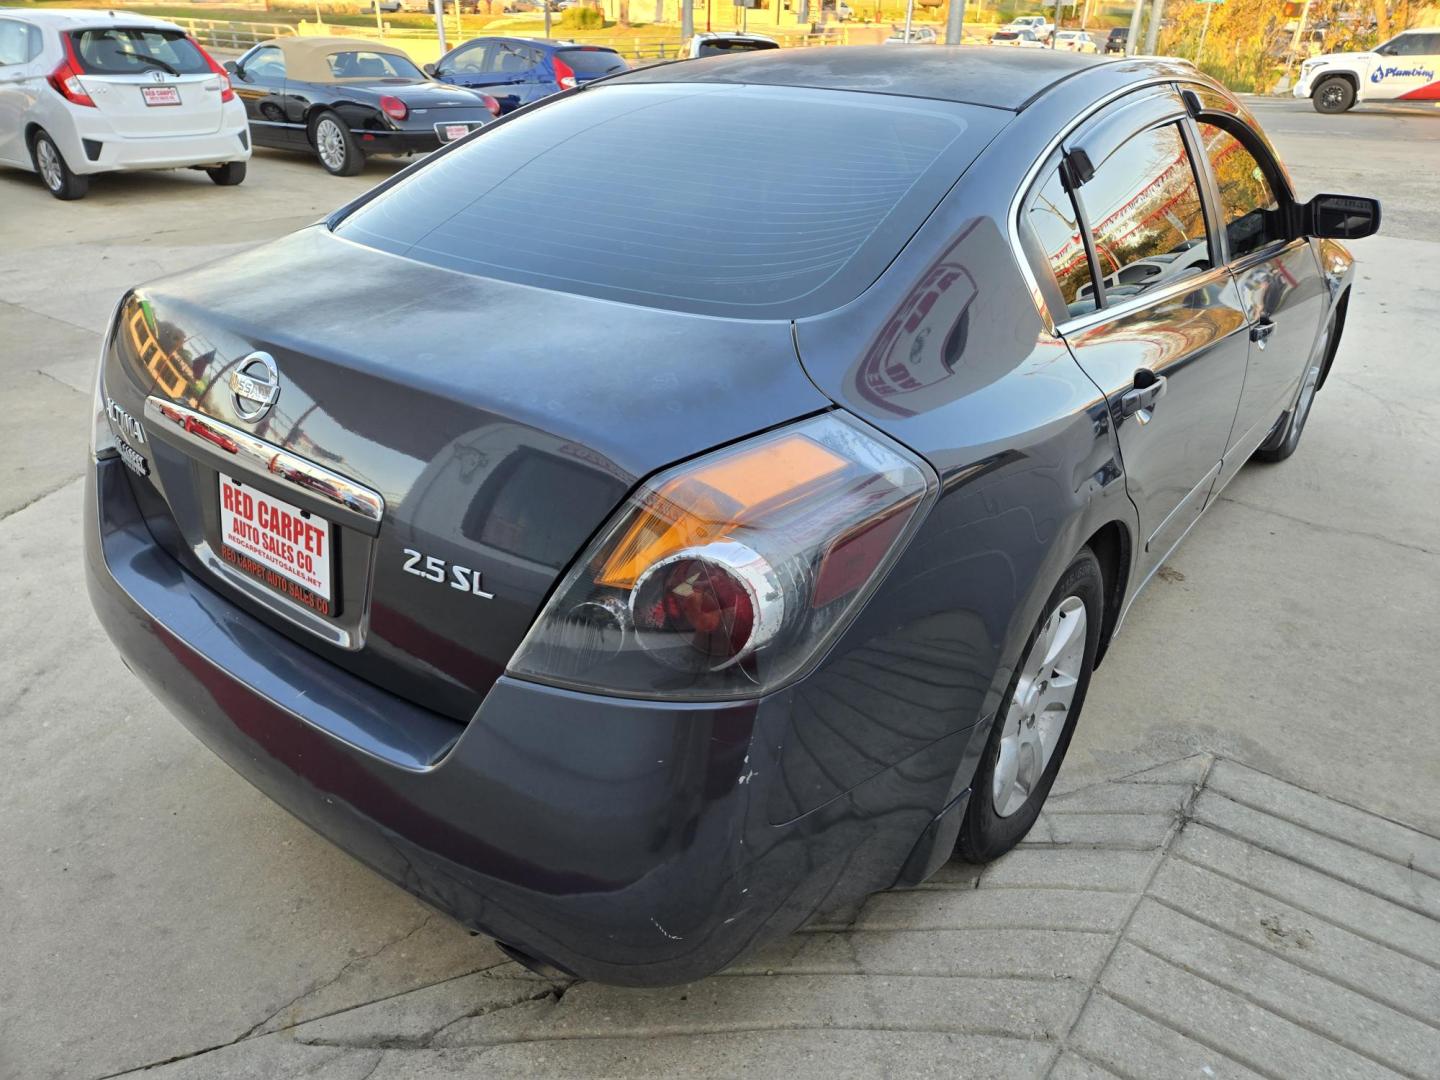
column 419, row 140
column 624, row 841
column 90, row 145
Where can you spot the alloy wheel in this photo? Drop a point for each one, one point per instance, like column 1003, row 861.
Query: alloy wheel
column 48, row 159
column 1040, row 707
column 330, row 141
column 1332, row 96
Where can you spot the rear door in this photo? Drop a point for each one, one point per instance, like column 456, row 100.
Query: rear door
column 1164, row 334
column 148, row 82
column 20, row 81
column 1281, row 286
column 494, row 66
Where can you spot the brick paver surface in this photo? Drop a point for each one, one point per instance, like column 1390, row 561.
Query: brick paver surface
column 1196, row 919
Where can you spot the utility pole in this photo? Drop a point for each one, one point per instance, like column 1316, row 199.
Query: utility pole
column 955, row 23
column 1152, row 32
column 687, row 20
column 1055, row 34
column 440, row 25
column 1205, row 30
column 547, row 16
column 1297, row 42
column 909, row 17
column 1133, row 41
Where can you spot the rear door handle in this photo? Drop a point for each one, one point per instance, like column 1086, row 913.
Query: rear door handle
column 1261, row 331
column 1139, row 401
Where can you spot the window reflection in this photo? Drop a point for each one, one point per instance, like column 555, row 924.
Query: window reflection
column 1250, row 208
column 1145, row 215
column 1053, row 221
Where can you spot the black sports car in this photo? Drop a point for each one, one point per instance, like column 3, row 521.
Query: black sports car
column 736, row 537
column 343, row 99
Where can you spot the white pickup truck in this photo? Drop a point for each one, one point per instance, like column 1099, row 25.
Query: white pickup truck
column 1405, row 68
column 1038, row 25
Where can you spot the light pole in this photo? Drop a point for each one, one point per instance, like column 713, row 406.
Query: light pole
column 955, row 23
column 687, row 20
column 1152, row 32
column 1132, row 41
column 909, row 17
column 440, row 25
column 1298, row 42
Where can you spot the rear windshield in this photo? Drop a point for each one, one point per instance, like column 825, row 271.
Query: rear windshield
column 588, row 63
column 115, row 50
column 719, row 46
column 759, row 201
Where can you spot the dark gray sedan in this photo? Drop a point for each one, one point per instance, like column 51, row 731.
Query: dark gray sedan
column 700, row 500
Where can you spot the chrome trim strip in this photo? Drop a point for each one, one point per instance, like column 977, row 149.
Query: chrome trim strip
column 1132, row 304
column 286, row 469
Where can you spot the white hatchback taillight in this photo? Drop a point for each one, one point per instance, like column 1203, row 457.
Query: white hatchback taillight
column 727, row 576
column 66, row 78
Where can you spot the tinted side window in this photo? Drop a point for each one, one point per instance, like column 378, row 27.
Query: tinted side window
column 266, row 63
column 15, row 42
column 470, row 60
column 1146, row 219
column 1412, row 45
column 1052, row 221
column 512, row 59
column 1249, row 208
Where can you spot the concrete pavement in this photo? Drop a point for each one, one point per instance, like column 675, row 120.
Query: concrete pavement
column 1240, row 877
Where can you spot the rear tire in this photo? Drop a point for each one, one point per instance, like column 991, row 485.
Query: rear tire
column 335, row 146
column 1041, row 705
column 1334, row 94
column 54, row 173
column 227, row 175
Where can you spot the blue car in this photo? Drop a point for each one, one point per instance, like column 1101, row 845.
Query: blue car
column 517, row 71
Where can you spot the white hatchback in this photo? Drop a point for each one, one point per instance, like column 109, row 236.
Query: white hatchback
column 84, row 92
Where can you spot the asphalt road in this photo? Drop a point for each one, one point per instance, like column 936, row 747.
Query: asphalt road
column 154, row 907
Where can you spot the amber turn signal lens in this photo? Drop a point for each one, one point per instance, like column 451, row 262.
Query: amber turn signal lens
column 703, row 506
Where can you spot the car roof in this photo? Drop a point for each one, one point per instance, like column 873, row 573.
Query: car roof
column 974, row 75
column 85, row 18
column 553, row 44
column 305, row 56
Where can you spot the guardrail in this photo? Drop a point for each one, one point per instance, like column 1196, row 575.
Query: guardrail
column 232, row 35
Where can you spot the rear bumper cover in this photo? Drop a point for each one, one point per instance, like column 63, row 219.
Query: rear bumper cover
column 623, row 841
column 230, row 142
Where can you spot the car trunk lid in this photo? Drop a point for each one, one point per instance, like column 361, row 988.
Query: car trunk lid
column 498, row 424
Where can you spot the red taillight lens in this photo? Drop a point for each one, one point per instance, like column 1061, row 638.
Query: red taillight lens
column 728, row 576
column 492, row 105
column 66, row 78
column 394, row 108
column 564, row 74
column 227, row 93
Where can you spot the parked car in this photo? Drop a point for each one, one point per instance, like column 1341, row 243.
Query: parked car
column 566, row 533
column 714, row 44
column 1405, row 68
column 1118, row 40
column 1018, row 39
column 387, row 6
column 1039, row 25
column 919, row 35
column 1075, row 41
column 87, row 92
column 346, row 99
column 517, row 71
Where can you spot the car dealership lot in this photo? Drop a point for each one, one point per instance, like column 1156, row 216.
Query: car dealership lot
column 155, row 907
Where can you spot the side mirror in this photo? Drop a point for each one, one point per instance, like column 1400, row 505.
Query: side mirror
column 429, row 69
column 1341, row 217
column 232, row 67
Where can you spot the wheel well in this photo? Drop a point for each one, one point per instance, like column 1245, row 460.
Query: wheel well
column 31, row 130
column 1348, row 76
column 1341, row 307
column 1111, row 545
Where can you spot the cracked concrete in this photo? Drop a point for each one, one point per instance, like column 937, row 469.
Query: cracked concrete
column 153, row 908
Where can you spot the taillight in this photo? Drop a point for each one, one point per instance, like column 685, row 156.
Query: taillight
column 492, row 105
column 66, row 78
column 564, row 74
column 393, row 107
column 227, row 93
column 726, row 577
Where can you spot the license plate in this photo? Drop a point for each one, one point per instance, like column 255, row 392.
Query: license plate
column 160, row 95
column 287, row 548
column 451, row 132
